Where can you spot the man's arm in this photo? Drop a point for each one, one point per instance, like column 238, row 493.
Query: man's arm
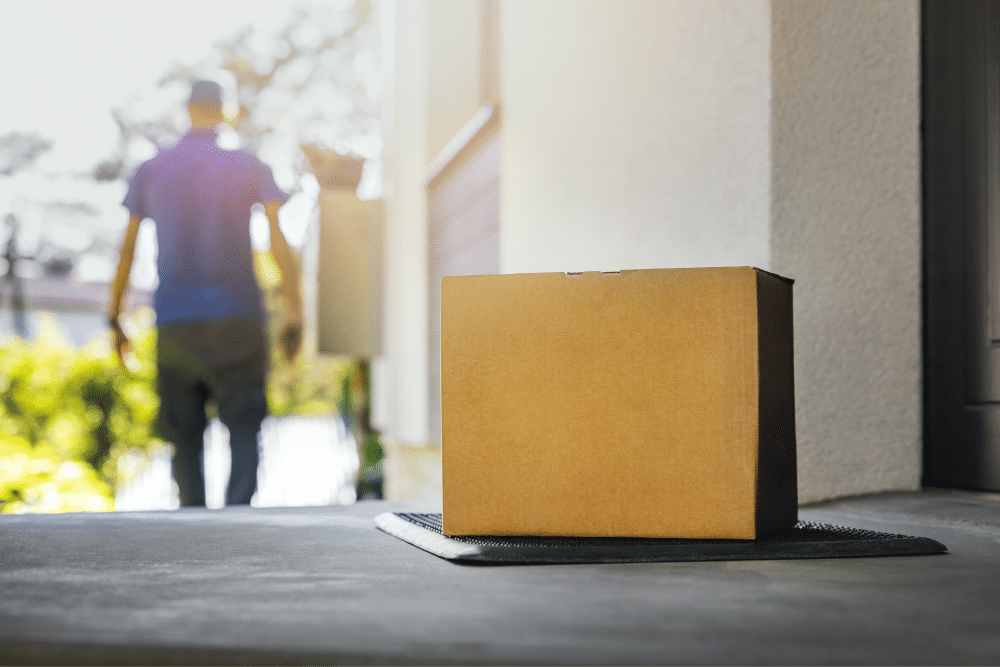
column 290, row 335
column 120, row 284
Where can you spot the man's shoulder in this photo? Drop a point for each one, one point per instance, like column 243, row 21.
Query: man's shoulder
column 163, row 154
column 168, row 157
column 140, row 172
column 243, row 155
column 234, row 164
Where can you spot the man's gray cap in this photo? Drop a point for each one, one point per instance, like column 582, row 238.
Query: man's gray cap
column 206, row 94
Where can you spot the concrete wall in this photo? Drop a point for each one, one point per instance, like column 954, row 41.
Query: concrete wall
column 846, row 225
column 635, row 134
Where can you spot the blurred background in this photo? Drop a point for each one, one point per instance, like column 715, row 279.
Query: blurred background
column 91, row 90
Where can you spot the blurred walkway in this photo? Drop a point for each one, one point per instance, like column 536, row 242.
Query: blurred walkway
column 304, row 461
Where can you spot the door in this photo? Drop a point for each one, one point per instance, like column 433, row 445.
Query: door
column 961, row 118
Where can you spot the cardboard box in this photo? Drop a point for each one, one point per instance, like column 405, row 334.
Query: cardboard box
column 653, row 403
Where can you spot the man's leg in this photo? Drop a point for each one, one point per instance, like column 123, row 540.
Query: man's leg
column 242, row 408
column 182, row 415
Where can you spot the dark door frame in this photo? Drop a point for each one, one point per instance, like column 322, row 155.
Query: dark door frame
column 961, row 369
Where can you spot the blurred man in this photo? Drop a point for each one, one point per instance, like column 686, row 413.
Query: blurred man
column 211, row 341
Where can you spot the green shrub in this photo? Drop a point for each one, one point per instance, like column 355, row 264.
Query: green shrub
column 67, row 414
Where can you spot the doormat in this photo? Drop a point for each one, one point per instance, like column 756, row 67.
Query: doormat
column 805, row 540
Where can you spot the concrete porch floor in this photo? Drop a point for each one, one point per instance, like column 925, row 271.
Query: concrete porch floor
column 323, row 586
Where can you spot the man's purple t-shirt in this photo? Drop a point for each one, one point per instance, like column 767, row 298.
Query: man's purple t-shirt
column 200, row 196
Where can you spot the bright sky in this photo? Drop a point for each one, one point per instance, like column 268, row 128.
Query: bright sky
column 66, row 63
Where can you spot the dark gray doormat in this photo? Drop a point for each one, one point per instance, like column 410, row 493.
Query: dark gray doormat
column 805, row 540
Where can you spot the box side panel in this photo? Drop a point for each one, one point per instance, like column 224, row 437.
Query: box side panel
column 593, row 405
column 777, row 493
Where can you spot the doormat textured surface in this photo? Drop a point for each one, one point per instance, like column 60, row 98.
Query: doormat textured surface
column 805, row 540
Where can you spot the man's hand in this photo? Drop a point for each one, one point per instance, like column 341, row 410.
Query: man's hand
column 290, row 337
column 123, row 346
column 290, row 333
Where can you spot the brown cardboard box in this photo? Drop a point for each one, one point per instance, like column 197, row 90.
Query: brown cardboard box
column 654, row 403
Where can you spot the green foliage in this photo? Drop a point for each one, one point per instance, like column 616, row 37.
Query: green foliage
column 372, row 451
column 309, row 386
column 38, row 479
column 67, row 414
column 354, row 403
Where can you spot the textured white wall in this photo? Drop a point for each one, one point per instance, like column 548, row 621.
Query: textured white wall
column 846, row 225
column 635, row 134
